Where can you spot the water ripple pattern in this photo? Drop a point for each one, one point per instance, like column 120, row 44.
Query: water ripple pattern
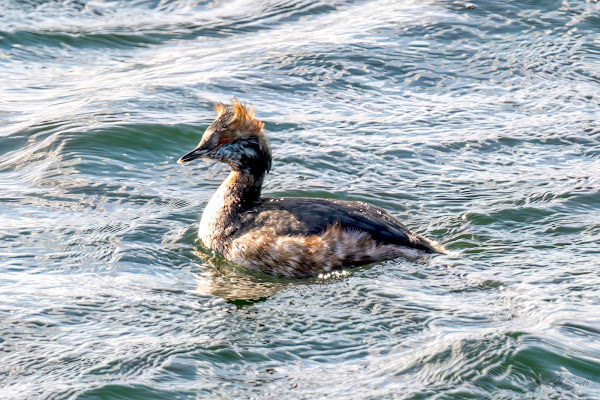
column 474, row 122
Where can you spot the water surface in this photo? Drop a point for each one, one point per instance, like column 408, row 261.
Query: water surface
column 476, row 124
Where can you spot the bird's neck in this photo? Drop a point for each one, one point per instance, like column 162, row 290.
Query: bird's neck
column 240, row 191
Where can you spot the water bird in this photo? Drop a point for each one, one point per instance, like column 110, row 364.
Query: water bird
column 291, row 236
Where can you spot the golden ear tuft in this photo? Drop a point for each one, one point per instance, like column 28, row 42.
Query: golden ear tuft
column 220, row 108
column 244, row 118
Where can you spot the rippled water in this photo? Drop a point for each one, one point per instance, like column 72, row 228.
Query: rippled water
column 477, row 124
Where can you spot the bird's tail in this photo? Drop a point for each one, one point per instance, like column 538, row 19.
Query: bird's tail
column 428, row 245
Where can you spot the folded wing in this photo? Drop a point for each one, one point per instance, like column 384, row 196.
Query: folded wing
column 312, row 216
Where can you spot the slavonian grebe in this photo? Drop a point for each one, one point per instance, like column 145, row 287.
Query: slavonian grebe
column 294, row 237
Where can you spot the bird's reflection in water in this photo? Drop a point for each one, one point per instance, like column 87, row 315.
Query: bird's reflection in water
column 235, row 284
column 241, row 286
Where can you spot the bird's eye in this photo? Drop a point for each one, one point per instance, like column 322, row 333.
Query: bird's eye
column 224, row 140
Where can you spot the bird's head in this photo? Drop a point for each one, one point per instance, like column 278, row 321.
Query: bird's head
column 235, row 137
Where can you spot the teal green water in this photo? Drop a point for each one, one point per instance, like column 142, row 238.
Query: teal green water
column 476, row 124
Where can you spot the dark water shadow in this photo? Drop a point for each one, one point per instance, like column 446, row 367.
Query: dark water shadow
column 244, row 287
column 235, row 284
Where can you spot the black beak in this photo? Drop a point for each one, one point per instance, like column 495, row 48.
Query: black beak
column 192, row 155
